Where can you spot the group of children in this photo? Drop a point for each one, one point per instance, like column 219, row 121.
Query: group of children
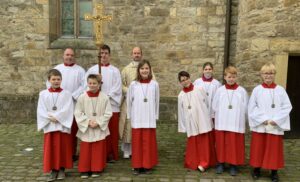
column 92, row 113
column 213, row 116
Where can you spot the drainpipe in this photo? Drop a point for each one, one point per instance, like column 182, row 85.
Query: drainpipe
column 227, row 35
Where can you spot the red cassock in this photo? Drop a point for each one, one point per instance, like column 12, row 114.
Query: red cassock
column 92, row 156
column 230, row 147
column 144, row 148
column 113, row 139
column 57, row 151
column 74, row 129
column 200, row 150
column 266, row 151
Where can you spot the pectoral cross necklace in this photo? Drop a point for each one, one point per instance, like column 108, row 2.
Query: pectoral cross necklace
column 94, row 105
column 272, row 97
column 189, row 99
column 145, row 94
column 54, row 108
column 229, row 99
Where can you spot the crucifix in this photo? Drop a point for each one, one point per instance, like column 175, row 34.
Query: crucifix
column 98, row 19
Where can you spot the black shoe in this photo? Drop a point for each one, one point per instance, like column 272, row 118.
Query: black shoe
column 233, row 170
column 75, row 158
column 136, row 171
column 147, row 171
column 255, row 173
column 220, row 168
column 274, row 177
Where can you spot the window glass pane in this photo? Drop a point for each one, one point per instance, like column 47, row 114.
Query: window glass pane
column 67, row 17
column 85, row 27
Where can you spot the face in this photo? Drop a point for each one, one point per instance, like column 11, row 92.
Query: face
column 207, row 71
column 136, row 54
column 230, row 78
column 69, row 56
column 144, row 71
column 93, row 85
column 185, row 81
column 105, row 56
column 268, row 77
column 55, row 81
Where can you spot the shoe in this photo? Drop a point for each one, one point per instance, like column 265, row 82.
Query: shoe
column 255, row 173
column 126, row 156
column 84, row 175
column 220, row 168
column 111, row 161
column 201, row 169
column 233, row 170
column 95, row 174
column 136, row 171
column 146, row 171
column 52, row 176
column 274, row 177
column 75, row 158
column 61, row 174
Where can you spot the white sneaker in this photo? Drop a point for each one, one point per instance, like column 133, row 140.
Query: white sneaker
column 201, row 169
column 126, row 156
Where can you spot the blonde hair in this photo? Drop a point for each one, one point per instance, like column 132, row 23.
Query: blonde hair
column 231, row 70
column 268, row 67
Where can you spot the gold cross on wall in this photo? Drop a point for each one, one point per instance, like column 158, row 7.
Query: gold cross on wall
column 98, row 20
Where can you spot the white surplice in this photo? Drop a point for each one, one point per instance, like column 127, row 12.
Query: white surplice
column 260, row 110
column 63, row 113
column 143, row 114
column 112, row 84
column 230, row 119
column 196, row 120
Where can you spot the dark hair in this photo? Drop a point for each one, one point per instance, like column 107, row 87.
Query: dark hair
column 53, row 72
column 183, row 73
column 141, row 64
column 105, row 47
column 94, row 76
column 208, row 64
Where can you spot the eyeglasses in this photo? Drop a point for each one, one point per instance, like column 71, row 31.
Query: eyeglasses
column 268, row 73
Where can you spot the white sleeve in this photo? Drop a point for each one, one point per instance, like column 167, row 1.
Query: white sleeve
column 281, row 117
column 181, row 117
column 42, row 114
column 157, row 101
column 104, row 119
column 215, row 101
column 80, row 116
column 256, row 115
column 129, row 101
column 81, row 87
column 116, row 90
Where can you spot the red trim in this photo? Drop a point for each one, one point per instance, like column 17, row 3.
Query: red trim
column 105, row 65
column 272, row 85
column 207, row 80
column 188, row 89
column 91, row 94
column 145, row 81
column 231, row 87
column 70, row 65
column 55, row 90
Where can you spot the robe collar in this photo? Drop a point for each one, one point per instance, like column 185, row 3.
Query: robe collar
column 69, row 65
column 91, row 94
column 55, row 90
column 188, row 89
column 205, row 79
column 145, row 81
column 272, row 85
column 105, row 65
column 231, row 87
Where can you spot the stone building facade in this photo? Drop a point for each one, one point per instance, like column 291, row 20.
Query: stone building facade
column 175, row 35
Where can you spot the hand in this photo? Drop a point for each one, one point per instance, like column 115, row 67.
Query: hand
column 272, row 123
column 53, row 119
column 93, row 124
column 266, row 122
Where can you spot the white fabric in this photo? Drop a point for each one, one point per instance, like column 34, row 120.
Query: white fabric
column 230, row 119
column 111, row 86
column 210, row 88
column 84, row 113
column 260, row 110
column 64, row 112
column 143, row 114
column 196, row 120
column 72, row 79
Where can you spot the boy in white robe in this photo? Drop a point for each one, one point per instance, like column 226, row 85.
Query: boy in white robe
column 194, row 119
column 230, row 107
column 143, row 112
column 112, row 87
column 92, row 112
column 268, row 111
column 55, row 116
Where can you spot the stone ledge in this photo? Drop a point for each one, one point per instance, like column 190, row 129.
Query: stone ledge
column 82, row 43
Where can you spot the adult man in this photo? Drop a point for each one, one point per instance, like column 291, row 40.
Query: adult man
column 112, row 87
column 128, row 75
column 73, row 77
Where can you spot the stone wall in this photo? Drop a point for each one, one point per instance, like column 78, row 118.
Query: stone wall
column 267, row 31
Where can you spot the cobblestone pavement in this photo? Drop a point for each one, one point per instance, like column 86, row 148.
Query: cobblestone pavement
column 18, row 163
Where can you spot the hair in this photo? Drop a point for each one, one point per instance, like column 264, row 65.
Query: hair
column 208, row 64
column 183, row 73
column 141, row 64
column 105, row 47
column 53, row 72
column 268, row 67
column 231, row 70
column 139, row 48
column 94, row 76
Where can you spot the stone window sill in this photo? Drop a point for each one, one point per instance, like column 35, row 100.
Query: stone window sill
column 81, row 43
